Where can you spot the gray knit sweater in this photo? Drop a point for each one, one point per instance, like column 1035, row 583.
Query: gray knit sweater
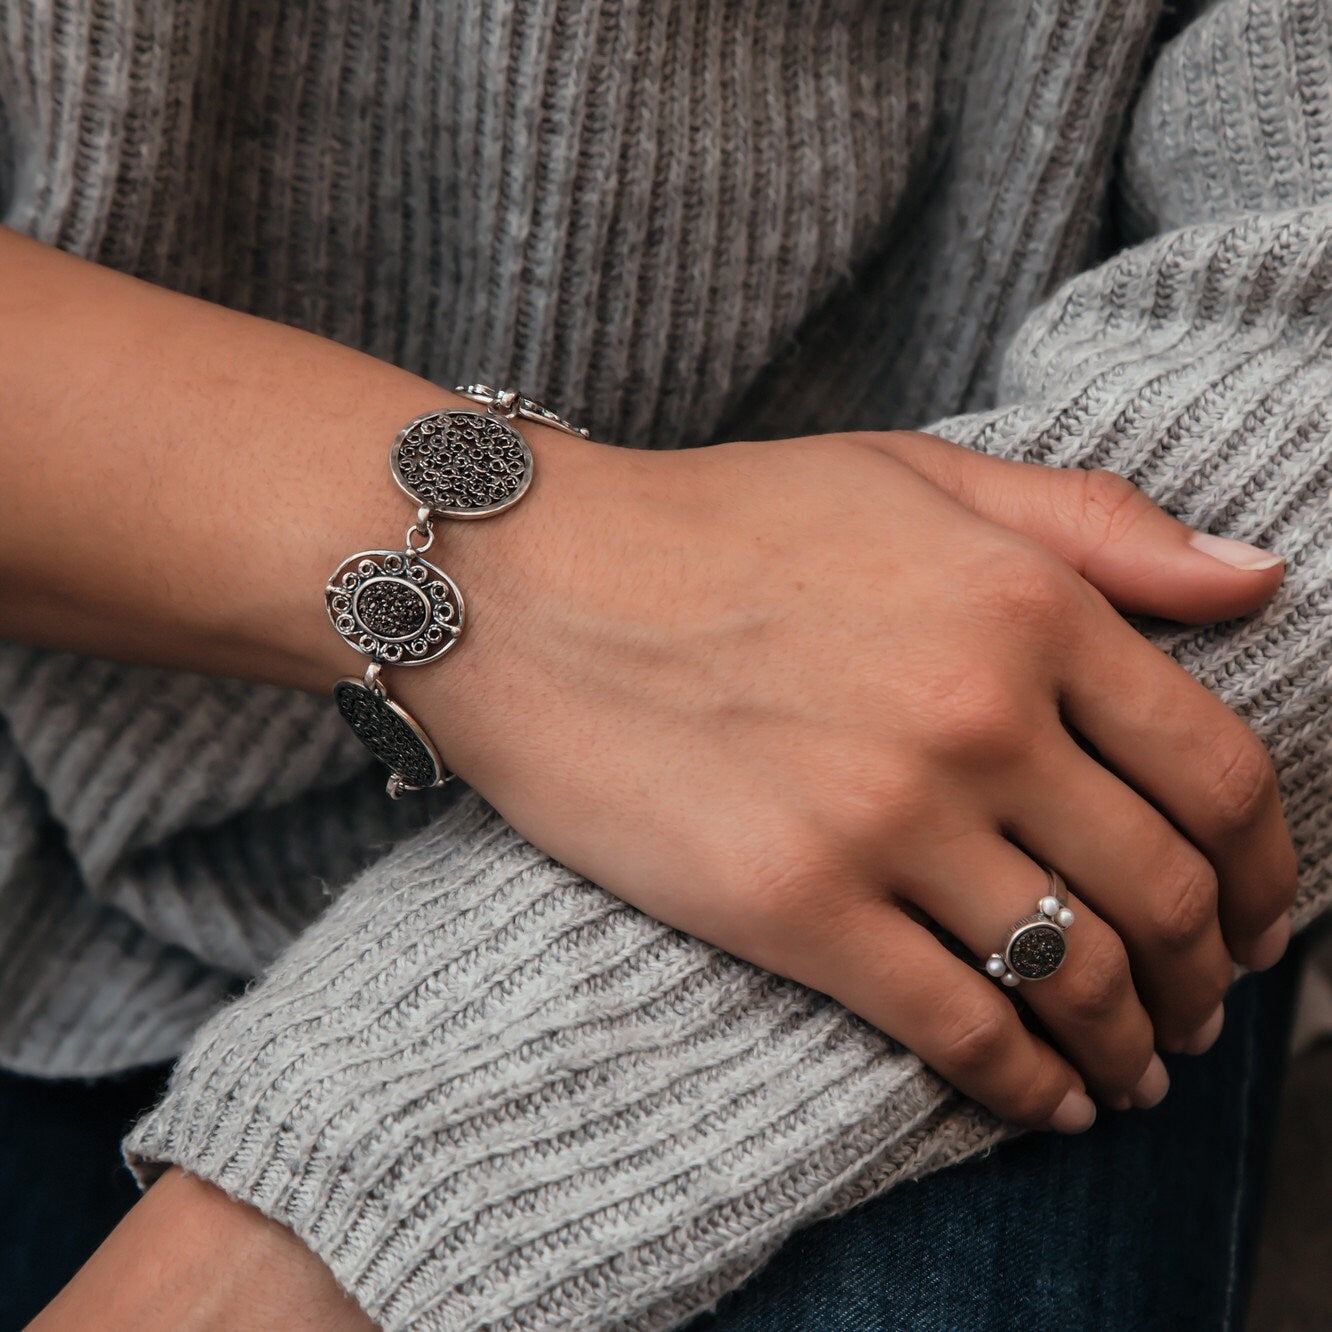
column 482, row 1089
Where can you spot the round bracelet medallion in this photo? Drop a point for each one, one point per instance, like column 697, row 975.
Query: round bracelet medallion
column 390, row 734
column 461, row 464
column 394, row 606
column 1036, row 949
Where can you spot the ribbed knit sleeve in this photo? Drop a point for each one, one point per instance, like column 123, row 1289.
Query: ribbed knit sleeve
column 165, row 835
column 486, row 1093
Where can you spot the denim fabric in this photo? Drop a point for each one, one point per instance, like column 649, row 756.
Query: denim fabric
column 1147, row 1221
column 63, row 1185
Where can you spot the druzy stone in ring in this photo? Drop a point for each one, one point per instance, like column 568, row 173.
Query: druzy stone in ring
column 389, row 733
column 460, row 463
column 394, row 607
column 1036, row 951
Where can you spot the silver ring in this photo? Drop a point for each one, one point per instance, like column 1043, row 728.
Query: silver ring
column 1035, row 947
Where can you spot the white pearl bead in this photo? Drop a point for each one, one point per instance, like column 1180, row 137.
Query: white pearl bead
column 1065, row 917
column 1049, row 906
column 1010, row 979
column 996, row 966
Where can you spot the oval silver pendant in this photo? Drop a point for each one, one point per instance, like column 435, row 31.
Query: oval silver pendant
column 391, row 734
column 394, row 607
column 461, row 464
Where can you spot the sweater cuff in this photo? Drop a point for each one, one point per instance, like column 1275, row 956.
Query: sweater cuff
column 485, row 1091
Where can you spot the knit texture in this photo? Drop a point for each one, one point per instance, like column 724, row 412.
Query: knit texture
column 483, row 1090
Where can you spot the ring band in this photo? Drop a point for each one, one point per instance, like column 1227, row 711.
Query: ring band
column 1035, row 947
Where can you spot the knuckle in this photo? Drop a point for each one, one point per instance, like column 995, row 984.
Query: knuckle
column 866, row 441
column 869, row 811
column 1101, row 981
column 886, row 440
column 854, row 800
column 977, row 1039
column 1030, row 588
column 1242, row 783
column 878, row 444
column 1185, row 903
column 792, row 880
column 1106, row 504
column 975, row 715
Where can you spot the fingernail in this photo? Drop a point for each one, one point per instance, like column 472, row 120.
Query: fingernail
column 1204, row 1038
column 1237, row 554
column 1270, row 946
column 1153, row 1085
column 1076, row 1113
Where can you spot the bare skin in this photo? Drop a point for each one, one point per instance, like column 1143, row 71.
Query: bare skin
column 189, row 1259
column 796, row 697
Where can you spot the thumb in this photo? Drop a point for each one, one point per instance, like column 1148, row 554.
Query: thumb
column 1143, row 560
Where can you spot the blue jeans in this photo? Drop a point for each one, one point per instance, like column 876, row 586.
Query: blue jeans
column 1147, row 1221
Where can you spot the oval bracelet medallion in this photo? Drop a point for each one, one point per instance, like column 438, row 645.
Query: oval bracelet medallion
column 394, row 606
column 391, row 734
column 461, row 464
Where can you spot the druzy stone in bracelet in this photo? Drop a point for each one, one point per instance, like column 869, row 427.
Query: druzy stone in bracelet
column 394, row 606
column 1036, row 950
column 390, row 734
column 461, row 464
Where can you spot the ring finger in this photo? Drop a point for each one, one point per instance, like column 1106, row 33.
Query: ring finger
column 1156, row 890
column 1089, row 1005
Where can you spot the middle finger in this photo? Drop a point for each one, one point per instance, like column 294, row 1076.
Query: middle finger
column 1155, row 888
column 978, row 888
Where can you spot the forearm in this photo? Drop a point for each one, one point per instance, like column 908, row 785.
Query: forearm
column 190, row 1257
column 180, row 479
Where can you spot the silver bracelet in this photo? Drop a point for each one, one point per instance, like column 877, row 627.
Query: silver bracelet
column 399, row 610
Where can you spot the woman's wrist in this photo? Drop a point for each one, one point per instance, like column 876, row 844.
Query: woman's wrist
column 188, row 1256
column 206, row 471
column 499, row 564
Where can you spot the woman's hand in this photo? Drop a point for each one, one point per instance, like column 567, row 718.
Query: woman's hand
column 797, row 699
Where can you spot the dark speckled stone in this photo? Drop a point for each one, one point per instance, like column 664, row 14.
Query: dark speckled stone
column 1037, row 951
